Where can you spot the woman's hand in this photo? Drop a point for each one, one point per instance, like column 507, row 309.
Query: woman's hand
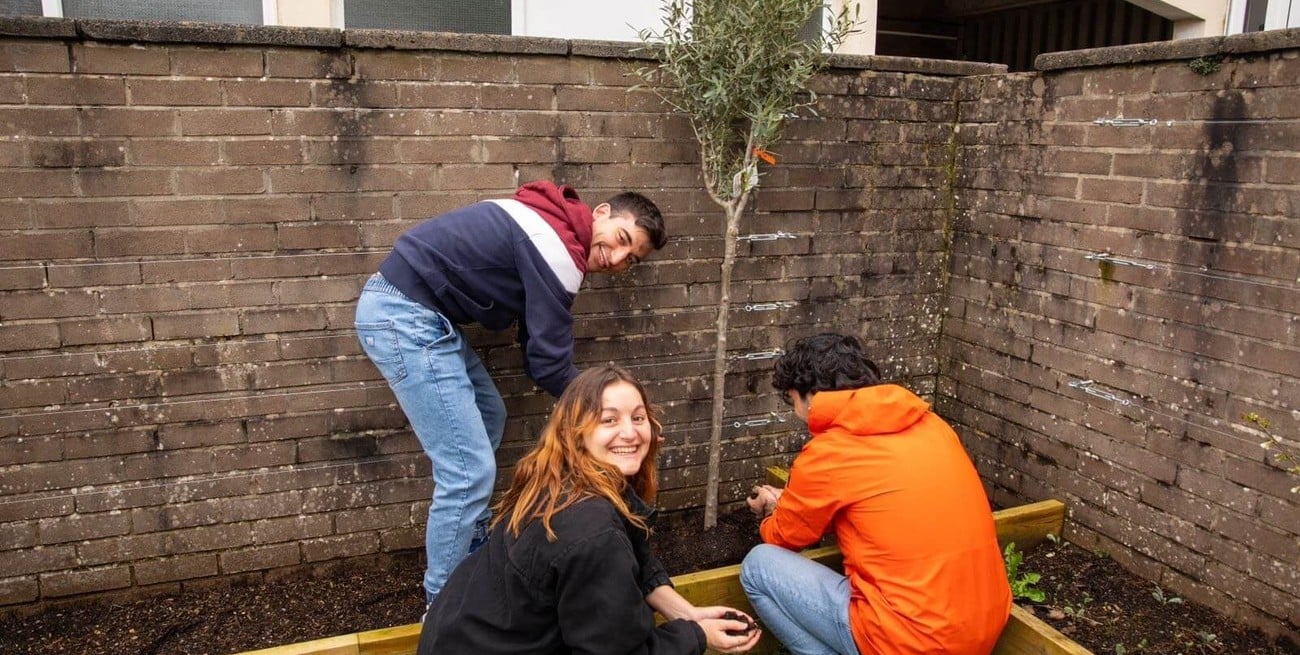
column 716, row 621
column 727, row 630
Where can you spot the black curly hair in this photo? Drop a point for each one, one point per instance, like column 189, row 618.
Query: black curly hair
column 825, row 362
column 644, row 212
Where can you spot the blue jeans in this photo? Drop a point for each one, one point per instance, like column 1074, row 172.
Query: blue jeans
column 454, row 409
column 805, row 604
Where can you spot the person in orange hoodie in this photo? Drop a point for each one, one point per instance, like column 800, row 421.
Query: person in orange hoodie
column 923, row 572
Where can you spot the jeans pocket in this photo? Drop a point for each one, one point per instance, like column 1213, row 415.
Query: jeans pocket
column 380, row 342
column 441, row 330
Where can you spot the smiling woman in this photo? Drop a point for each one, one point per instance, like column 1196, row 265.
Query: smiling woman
column 567, row 566
column 622, row 437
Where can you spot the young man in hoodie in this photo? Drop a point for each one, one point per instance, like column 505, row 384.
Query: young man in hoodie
column 923, row 570
column 517, row 261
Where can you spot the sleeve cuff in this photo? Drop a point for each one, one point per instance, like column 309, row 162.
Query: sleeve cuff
column 658, row 579
column 699, row 636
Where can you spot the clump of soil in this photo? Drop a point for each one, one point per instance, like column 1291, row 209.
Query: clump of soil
column 1120, row 610
column 1095, row 602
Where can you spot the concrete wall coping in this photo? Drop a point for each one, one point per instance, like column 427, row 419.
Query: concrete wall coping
column 1254, row 42
column 312, row 37
column 917, row 65
column 230, row 34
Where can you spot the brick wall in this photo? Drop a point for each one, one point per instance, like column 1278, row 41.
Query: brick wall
column 1162, row 474
column 188, row 213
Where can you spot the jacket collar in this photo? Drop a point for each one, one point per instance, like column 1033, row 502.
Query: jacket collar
column 638, row 506
column 564, row 211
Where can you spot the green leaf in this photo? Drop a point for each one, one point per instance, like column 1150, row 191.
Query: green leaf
column 737, row 69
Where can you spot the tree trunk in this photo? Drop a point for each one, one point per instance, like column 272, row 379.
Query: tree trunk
column 733, row 211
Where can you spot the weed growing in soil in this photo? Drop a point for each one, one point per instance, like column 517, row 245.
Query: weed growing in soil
column 1022, row 584
column 1120, row 649
column 1206, row 642
column 1078, row 611
column 1095, row 602
column 1165, row 599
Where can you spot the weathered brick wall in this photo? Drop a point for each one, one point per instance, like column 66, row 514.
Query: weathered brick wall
column 1166, row 478
column 187, row 215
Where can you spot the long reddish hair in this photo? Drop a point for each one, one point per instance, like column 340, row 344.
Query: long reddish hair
column 559, row 471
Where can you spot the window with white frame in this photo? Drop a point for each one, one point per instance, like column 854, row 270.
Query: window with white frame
column 20, row 8
column 479, row 17
column 1257, row 15
column 246, row 12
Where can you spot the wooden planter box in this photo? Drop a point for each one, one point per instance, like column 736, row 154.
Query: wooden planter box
column 1025, row 634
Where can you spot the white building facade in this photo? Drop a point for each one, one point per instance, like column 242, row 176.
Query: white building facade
column 606, row 20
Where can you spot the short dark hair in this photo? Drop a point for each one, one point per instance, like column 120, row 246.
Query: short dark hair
column 825, row 362
column 645, row 213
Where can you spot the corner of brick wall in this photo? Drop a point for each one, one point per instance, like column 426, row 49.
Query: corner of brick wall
column 1156, row 464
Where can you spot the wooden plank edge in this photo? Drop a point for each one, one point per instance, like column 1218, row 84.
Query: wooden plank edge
column 401, row 640
column 777, row 476
column 1026, row 634
column 1035, row 518
column 1029, row 525
column 340, row 645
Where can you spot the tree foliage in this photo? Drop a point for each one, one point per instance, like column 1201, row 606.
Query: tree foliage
column 738, row 69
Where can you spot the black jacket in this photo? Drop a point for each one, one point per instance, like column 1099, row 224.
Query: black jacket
column 583, row 593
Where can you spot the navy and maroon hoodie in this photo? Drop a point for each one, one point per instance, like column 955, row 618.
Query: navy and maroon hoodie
column 501, row 262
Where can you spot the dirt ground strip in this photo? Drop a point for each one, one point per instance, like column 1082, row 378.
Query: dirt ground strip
column 1110, row 611
column 1098, row 604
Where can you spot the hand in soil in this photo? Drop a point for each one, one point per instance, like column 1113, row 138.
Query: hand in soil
column 721, row 630
column 750, row 624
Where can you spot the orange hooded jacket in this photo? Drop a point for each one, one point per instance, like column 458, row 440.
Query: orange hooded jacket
column 909, row 512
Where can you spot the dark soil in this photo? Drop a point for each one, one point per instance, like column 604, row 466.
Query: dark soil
column 301, row 608
column 1094, row 601
column 218, row 621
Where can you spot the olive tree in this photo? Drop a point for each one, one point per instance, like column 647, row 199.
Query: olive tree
column 737, row 69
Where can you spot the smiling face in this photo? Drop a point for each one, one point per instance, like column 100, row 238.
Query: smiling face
column 622, row 434
column 617, row 243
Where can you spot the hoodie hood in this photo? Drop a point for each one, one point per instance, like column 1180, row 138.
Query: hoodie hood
column 879, row 409
column 565, row 212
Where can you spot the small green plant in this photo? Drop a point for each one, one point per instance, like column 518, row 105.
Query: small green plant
column 1165, row 599
column 1121, row 650
column 1079, row 611
column 1205, row 65
column 1022, row 584
column 1286, row 453
column 1206, row 642
column 1056, row 542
